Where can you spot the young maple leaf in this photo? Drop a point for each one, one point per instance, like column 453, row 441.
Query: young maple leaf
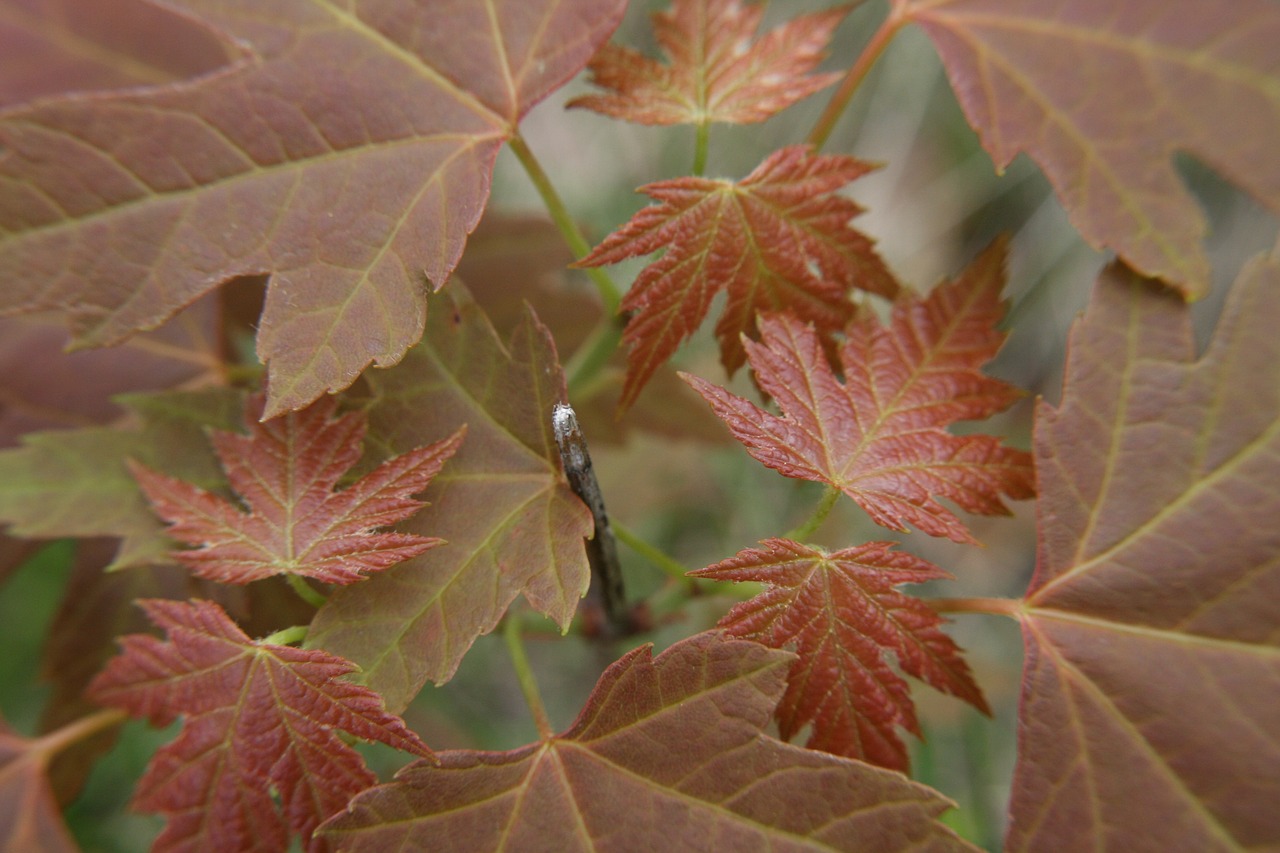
column 259, row 724
column 717, row 71
column 777, row 240
column 880, row 436
column 286, row 469
column 840, row 613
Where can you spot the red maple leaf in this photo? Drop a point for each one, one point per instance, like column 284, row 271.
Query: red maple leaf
column 777, row 240
column 718, row 71
column 880, row 436
column 259, row 723
column 840, row 613
column 286, row 470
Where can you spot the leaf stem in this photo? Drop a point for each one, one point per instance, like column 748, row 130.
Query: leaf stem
column 305, row 591
column 1011, row 607
column 81, row 729
column 286, row 636
column 524, row 674
column 609, row 291
column 849, row 86
column 591, row 357
column 669, row 566
column 828, row 502
column 702, row 142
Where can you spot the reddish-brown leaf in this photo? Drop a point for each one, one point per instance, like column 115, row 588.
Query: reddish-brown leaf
column 259, row 721
column 29, row 816
column 668, row 754
column 346, row 149
column 513, row 525
column 718, row 71
column 1102, row 95
column 880, row 436
column 841, row 614
column 1150, row 713
column 52, row 47
column 286, row 470
column 777, row 240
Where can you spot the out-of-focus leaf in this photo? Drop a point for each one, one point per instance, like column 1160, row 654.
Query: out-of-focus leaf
column 841, row 614
column 52, row 47
column 512, row 524
column 880, row 435
column 29, row 815
column 42, row 386
column 777, row 240
column 1102, row 94
column 718, row 71
column 668, row 754
column 346, row 149
column 76, row 483
column 286, row 471
column 258, row 720
column 1150, row 694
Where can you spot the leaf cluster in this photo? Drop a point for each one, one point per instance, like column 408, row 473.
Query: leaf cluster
column 306, row 447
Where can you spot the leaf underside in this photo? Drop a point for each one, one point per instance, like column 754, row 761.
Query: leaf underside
column 1149, row 702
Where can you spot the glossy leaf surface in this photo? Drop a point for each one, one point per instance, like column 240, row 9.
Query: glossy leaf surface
column 668, row 754
column 512, row 524
column 286, row 470
column 777, row 240
column 880, row 435
column 1152, row 681
column 842, row 615
column 717, row 70
column 346, row 149
column 1102, row 95
column 258, row 720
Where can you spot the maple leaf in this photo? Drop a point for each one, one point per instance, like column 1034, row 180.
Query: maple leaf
column 1102, row 101
column 259, row 720
column 880, row 435
column 29, row 816
column 779, row 239
column 718, row 72
column 668, row 754
column 76, row 482
column 286, row 470
column 57, row 46
column 346, row 149
column 513, row 525
column 1148, row 716
column 842, row 613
